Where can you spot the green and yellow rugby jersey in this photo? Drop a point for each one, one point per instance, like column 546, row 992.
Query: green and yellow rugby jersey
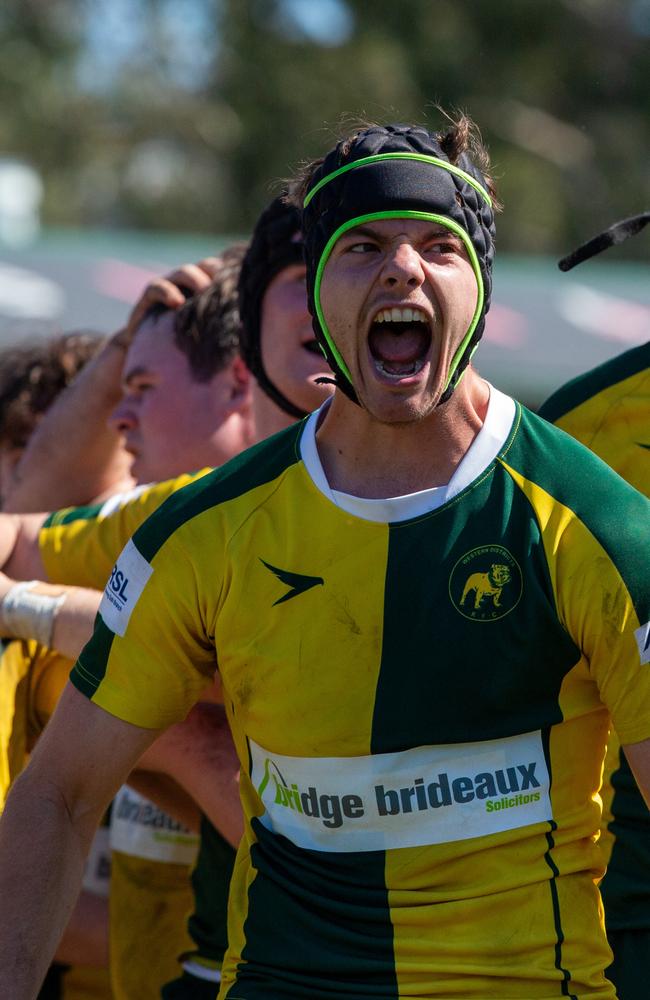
column 608, row 409
column 79, row 545
column 420, row 692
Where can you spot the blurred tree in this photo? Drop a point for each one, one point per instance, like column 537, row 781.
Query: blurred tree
column 560, row 90
column 160, row 114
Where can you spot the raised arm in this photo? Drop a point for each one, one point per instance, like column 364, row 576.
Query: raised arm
column 82, row 758
column 73, row 456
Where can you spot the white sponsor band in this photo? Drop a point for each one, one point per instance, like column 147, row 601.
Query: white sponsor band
column 128, row 579
column 141, row 829
column 427, row 795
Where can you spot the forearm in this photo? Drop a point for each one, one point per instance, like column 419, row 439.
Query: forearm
column 200, row 756
column 73, row 624
column 58, row 617
column 73, row 457
column 38, row 887
column 80, row 761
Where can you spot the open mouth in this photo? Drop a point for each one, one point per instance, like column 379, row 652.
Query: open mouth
column 399, row 341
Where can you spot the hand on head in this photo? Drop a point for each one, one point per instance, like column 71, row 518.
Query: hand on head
column 171, row 290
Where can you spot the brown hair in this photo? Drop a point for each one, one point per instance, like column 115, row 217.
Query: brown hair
column 32, row 376
column 207, row 327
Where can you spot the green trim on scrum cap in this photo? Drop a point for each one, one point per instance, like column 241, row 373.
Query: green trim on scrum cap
column 451, row 167
column 422, row 216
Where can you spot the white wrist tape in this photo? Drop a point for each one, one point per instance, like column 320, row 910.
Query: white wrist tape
column 26, row 615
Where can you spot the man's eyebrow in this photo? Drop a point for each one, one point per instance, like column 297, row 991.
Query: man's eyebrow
column 448, row 234
column 369, row 230
column 362, row 231
column 134, row 373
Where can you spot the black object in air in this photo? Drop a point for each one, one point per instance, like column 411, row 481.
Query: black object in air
column 616, row 234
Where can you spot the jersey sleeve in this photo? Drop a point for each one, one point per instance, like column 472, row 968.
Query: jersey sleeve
column 596, row 538
column 152, row 652
column 605, row 607
column 79, row 545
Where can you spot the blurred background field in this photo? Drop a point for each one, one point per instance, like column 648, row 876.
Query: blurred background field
column 135, row 134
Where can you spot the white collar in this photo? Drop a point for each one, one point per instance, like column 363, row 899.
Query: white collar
column 483, row 450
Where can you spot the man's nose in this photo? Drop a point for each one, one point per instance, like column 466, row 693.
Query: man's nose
column 403, row 266
column 122, row 418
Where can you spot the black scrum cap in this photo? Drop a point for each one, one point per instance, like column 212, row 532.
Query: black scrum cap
column 276, row 243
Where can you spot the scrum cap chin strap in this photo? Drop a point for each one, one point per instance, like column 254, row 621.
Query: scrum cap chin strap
column 397, row 172
column 617, row 233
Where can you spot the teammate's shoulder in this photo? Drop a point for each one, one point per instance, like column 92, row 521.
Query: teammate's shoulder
column 583, row 388
column 565, row 469
column 558, row 474
column 257, row 466
column 148, row 495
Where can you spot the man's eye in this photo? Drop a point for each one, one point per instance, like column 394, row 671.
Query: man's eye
column 443, row 247
column 362, row 248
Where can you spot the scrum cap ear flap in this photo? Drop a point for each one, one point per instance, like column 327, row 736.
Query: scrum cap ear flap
column 617, row 233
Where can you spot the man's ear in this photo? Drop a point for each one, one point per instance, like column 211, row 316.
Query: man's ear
column 241, row 381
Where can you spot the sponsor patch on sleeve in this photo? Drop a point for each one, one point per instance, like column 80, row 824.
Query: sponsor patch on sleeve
column 642, row 636
column 128, row 579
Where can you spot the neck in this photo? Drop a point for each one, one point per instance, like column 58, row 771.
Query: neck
column 367, row 458
column 268, row 417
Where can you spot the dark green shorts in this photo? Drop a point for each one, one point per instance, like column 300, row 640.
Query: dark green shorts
column 630, row 970
column 188, row 987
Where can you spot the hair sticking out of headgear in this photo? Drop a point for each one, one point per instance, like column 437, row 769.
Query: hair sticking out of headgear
column 611, row 237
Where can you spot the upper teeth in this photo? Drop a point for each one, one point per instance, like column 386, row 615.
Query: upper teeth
column 399, row 314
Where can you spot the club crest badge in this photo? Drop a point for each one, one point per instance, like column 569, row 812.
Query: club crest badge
column 486, row 583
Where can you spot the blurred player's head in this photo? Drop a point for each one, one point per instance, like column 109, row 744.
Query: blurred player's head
column 277, row 341
column 186, row 393
column 31, row 377
column 382, row 174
